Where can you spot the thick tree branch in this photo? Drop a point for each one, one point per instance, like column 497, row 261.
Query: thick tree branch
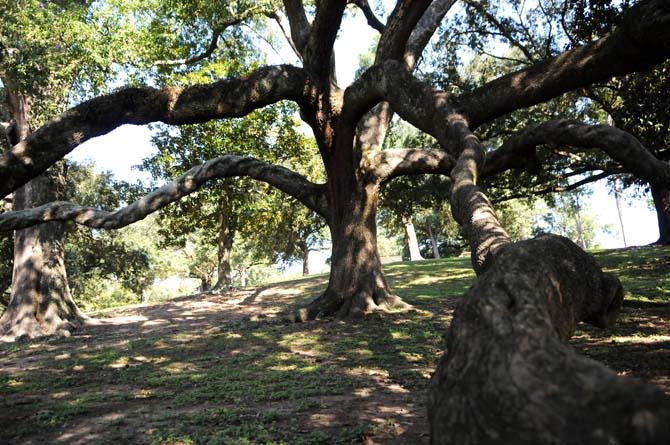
column 139, row 106
column 388, row 164
column 371, row 130
column 310, row 194
column 641, row 41
column 297, row 18
column 507, row 352
column 318, row 52
column 399, row 27
column 470, row 206
column 369, row 14
column 618, row 144
column 425, row 29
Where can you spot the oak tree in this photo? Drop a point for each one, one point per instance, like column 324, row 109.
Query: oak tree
column 508, row 375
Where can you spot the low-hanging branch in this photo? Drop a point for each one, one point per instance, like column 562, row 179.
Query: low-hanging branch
column 310, row 194
column 618, row 144
column 233, row 97
column 369, row 14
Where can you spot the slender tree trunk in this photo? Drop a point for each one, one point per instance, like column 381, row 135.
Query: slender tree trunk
column 661, row 198
column 357, row 284
column 433, row 242
column 617, row 199
column 580, row 230
column 204, row 283
column 244, row 274
column 305, row 260
column 225, row 245
column 414, row 253
column 40, row 302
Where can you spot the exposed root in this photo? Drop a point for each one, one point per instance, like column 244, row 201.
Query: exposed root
column 330, row 304
column 28, row 326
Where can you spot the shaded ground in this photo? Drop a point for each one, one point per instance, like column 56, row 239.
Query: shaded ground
column 230, row 369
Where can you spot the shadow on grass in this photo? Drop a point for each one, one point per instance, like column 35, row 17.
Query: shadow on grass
column 230, row 369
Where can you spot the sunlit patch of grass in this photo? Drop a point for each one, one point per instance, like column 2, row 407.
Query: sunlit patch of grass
column 262, row 380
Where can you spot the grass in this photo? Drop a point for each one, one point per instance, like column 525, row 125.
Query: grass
column 228, row 370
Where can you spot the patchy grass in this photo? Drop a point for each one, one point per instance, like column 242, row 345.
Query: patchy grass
column 228, row 369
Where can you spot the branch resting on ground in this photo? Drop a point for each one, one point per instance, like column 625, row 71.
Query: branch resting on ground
column 310, row 194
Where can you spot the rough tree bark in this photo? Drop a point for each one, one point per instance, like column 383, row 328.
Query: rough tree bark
column 357, row 284
column 225, row 241
column 661, row 197
column 524, row 304
column 40, row 301
column 508, row 376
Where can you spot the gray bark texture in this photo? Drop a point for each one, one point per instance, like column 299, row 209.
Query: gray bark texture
column 510, row 377
column 40, row 302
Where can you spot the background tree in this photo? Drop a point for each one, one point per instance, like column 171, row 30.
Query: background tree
column 231, row 208
column 38, row 79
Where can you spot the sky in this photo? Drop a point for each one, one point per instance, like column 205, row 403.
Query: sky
column 127, row 146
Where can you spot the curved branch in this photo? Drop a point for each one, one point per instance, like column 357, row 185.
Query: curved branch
column 646, row 25
column 369, row 14
column 389, row 164
column 618, row 144
column 470, row 206
column 310, row 194
column 139, row 106
column 509, row 375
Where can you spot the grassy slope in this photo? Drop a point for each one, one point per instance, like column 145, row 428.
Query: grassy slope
column 228, row 370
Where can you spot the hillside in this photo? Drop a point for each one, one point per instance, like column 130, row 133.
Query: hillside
column 231, row 369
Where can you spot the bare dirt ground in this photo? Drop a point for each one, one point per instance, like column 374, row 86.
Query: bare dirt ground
column 233, row 369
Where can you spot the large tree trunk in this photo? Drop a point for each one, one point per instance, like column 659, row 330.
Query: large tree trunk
column 661, row 198
column 357, row 284
column 414, row 252
column 41, row 303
